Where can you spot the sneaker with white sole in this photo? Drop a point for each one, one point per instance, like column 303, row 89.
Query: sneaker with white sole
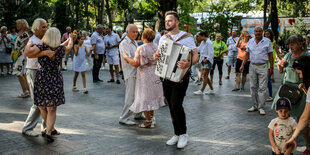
column 252, row 109
column 30, row 133
column 174, row 140
column 182, row 141
column 209, row 92
column 262, row 112
column 198, row 92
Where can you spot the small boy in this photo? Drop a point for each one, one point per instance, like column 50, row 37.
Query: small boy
column 281, row 128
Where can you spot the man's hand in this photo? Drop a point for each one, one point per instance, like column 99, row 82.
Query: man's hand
column 96, row 56
column 183, row 64
column 205, row 61
column 270, row 71
column 50, row 54
column 156, row 55
column 125, row 56
column 241, row 68
column 149, row 61
column 72, row 35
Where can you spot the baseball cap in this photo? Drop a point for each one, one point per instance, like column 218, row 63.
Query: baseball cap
column 283, row 103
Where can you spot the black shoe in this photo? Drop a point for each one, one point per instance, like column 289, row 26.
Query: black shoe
column 55, row 132
column 112, row 80
column 121, row 72
column 236, row 89
column 97, row 81
column 48, row 137
column 227, row 77
column 118, row 82
column 242, row 89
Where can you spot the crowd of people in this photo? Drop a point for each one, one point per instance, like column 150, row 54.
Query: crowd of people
column 38, row 56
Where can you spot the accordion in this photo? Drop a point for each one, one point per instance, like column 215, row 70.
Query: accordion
column 170, row 53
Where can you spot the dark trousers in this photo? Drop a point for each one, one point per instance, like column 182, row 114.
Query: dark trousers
column 174, row 93
column 219, row 64
column 96, row 66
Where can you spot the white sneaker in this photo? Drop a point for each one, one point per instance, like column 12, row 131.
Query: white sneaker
column 252, row 109
column 102, row 68
column 174, row 140
column 30, row 133
column 262, row 112
column 198, row 92
column 127, row 122
column 182, row 141
column 209, row 92
column 65, row 68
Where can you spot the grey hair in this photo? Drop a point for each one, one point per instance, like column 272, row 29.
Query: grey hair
column 84, row 32
column 258, row 27
column 3, row 27
column 99, row 26
column 297, row 38
column 129, row 26
column 36, row 24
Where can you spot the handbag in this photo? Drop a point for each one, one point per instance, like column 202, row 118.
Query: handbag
column 292, row 93
column 15, row 54
column 7, row 49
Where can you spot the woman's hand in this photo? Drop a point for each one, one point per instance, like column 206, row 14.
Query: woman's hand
column 72, row 36
column 156, row 55
column 302, row 87
column 277, row 150
column 282, row 63
column 125, row 56
column 290, row 142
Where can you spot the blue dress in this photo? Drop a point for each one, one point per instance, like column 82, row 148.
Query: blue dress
column 48, row 85
column 79, row 61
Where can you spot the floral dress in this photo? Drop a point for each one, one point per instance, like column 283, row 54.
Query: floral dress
column 48, row 84
column 149, row 90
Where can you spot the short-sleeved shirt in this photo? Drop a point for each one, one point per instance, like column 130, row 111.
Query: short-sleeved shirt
column 259, row 52
column 128, row 46
column 206, row 51
column 282, row 131
column 308, row 96
column 219, row 47
column 32, row 63
column 112, row 40
column 157, row 37
column 12, row 36
column 96, row 39
column 64, row 37
column 188, row 41
column 231, row 43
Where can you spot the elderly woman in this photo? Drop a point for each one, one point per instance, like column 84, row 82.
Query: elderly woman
column 5, row 57
column 48, row 85
column 302, row 67
column 148, row 92
column 21, row 41
column 220, row 48
column 298, row 47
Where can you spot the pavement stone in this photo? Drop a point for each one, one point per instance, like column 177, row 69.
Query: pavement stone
column 217, row 124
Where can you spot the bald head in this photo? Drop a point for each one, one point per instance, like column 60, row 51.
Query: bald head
column 132, row 31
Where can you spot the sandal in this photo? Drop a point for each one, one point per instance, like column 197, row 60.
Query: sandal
column 85, row 91
column 75, row 89
column 24, row 95
column 151, row 125
column 220, row 83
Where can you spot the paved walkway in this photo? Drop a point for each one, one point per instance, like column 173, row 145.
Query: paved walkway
column 217, row 124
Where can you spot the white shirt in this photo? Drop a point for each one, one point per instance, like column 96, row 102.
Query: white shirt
column 282, row 131
column 124, row 35
column 32, row 63
column 188, row 42
column 128, row 46
column 259, row 52
column 206, row 50
column 87, row 43
column 97, row 39
column 112, row 40
column 157, row 37
column 231, row 43
column 308, row 96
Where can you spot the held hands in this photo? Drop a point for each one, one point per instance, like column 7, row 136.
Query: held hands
column 72, row 36
column 183, row 64
column 282, row 63
column 50, row 54
column 290, row 143
column 277, row 150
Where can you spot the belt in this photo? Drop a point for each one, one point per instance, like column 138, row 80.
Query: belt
column 258, row 64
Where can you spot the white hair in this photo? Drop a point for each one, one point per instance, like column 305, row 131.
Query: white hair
column 84, row 32
column 36, row 24
column 52, row 37
column 129, row 26
column 99, row 26
column 3, row 27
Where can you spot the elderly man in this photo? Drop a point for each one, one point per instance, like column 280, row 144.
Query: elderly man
column 112, row 56
column 98, row 47
column 175, row 92
column 64, row 37
column 232, row 51
column 129, row 46
column 39, row 28
column 260, row 51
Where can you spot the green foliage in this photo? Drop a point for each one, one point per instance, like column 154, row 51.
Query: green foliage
column 187, row 23
column 299, row 27
column 293, row 8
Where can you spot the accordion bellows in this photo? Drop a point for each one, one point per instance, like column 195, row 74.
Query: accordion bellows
column 170, row 53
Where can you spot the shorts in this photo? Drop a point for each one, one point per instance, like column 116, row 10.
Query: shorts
column 231, row 60
column 246, row 66
column 207, row 65
column 112, row 60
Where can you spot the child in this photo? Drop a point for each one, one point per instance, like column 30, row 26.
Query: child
column 281, row 128
column 79, row 63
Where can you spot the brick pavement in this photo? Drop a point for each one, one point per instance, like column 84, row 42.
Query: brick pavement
column 217, row 124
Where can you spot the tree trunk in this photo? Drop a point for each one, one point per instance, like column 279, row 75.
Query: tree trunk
column 77, row 14
column 163, row 7
column 87, row 16
column 265, row 12
column 100, row 12
column 108, row 13
column 274, row 19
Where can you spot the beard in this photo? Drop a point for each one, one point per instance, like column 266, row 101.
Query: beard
column 171, row 28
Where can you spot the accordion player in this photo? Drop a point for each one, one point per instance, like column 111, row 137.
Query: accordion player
column 170, row 53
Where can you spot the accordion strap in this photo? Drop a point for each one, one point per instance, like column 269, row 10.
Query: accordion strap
column 182, row 37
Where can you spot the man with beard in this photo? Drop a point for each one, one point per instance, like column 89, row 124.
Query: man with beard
column 175, row 92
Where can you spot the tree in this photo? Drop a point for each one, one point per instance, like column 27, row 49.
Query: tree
column 164, row 6
column 299, row 27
